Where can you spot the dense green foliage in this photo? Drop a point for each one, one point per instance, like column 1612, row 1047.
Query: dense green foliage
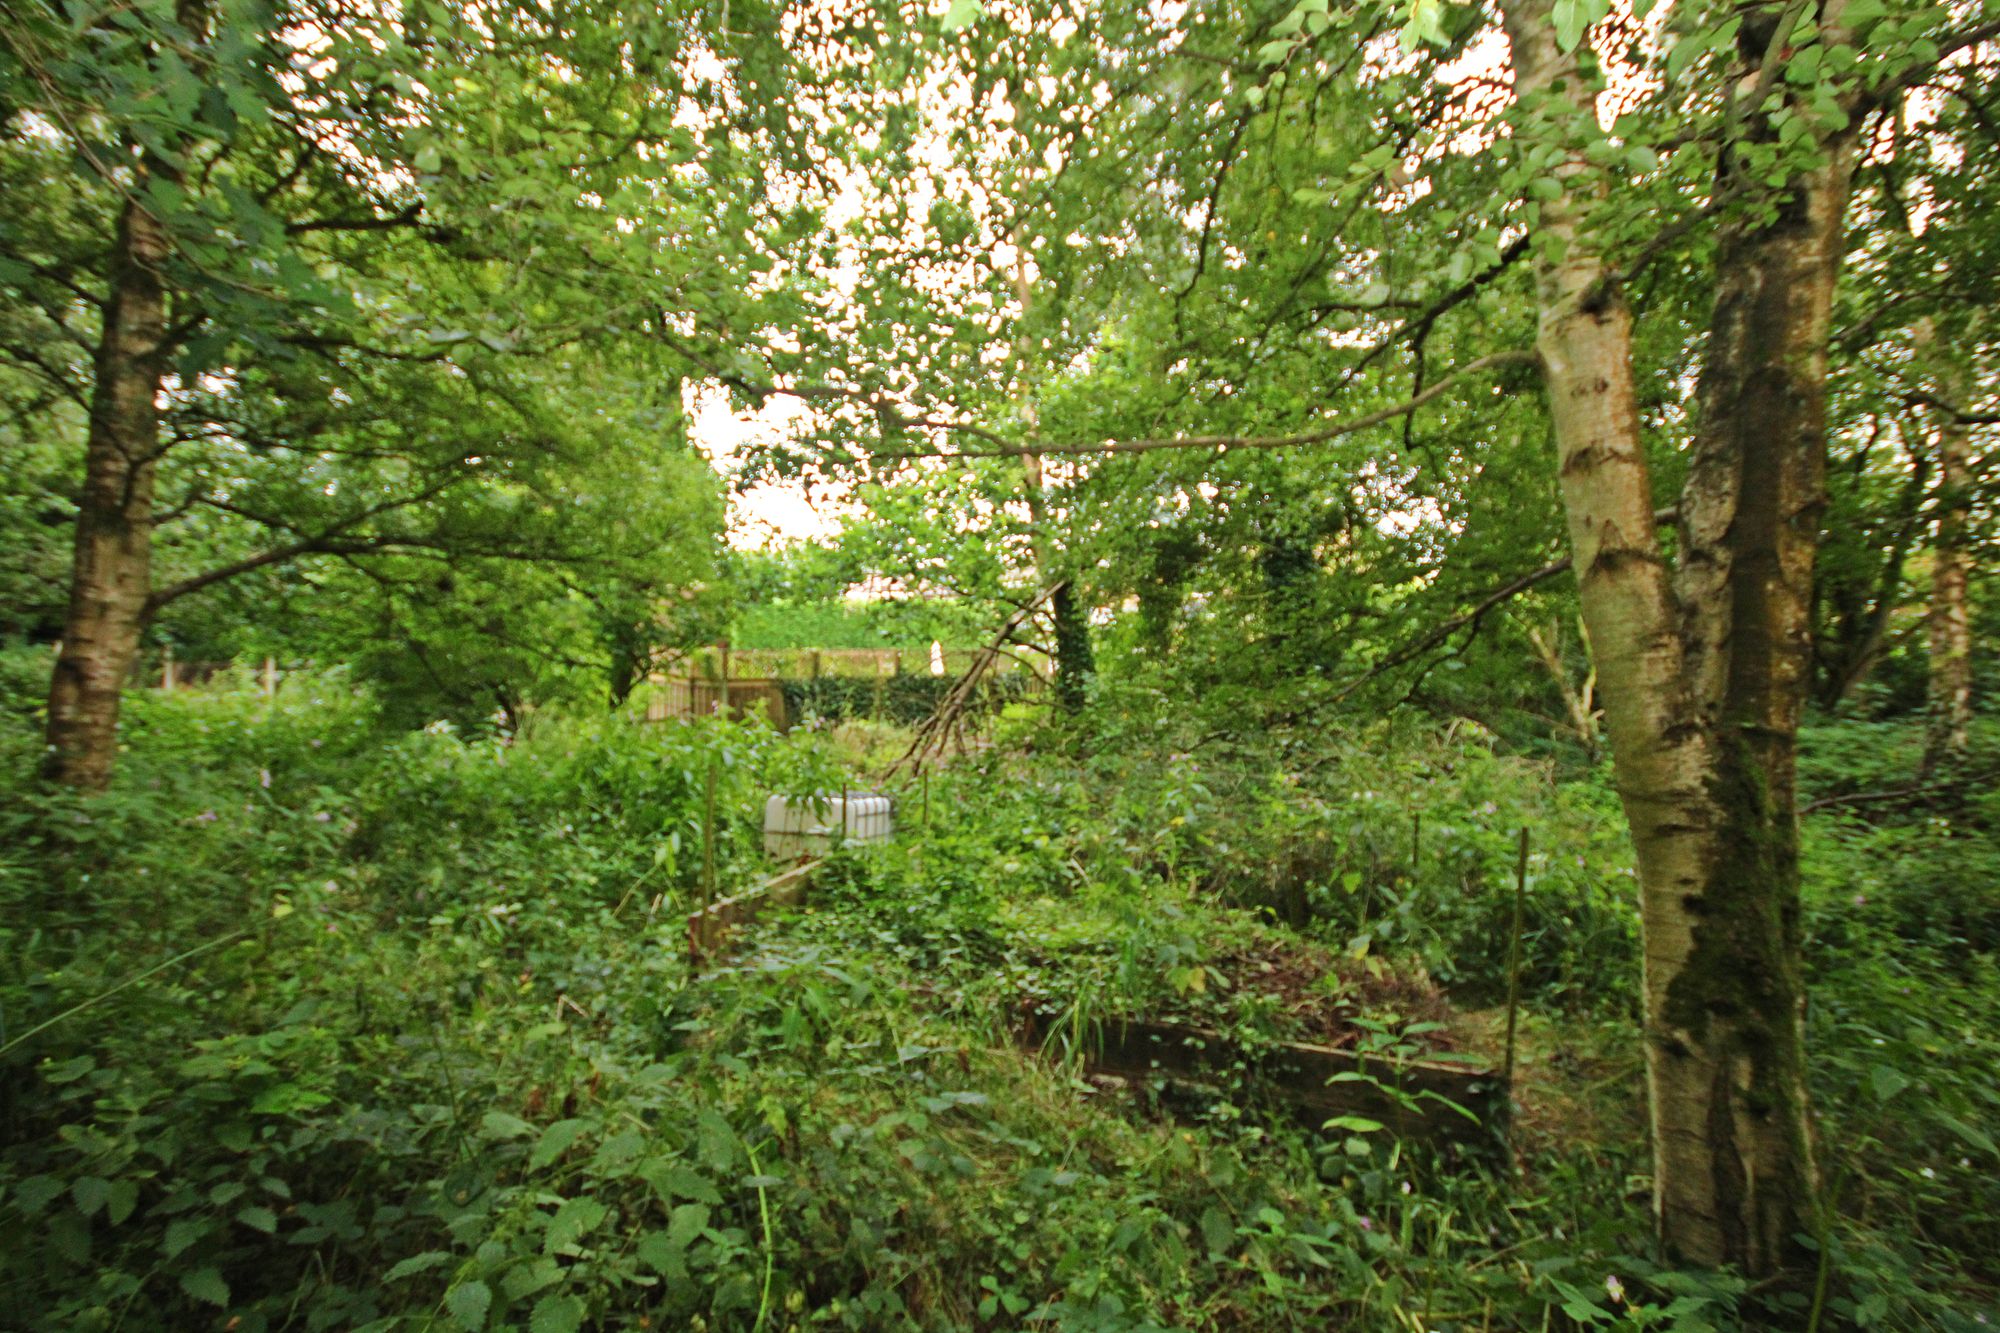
column 324, row 1026
column 1189, row 343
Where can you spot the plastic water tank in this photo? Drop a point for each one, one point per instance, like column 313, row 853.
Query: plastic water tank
column 810, row 826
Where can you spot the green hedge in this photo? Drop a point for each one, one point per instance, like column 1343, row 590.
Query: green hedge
column 906, row 698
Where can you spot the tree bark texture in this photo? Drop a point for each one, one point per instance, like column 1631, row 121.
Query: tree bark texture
column 1703, row 670
column 1069, row 621
column 1949, row 627
column 111, row 574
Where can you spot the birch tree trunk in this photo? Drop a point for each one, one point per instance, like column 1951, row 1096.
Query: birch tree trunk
column 1703, row 675
column 1733, row 1015
column 1949, row 630
column 111, row 573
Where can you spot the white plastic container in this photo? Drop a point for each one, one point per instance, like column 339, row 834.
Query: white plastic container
column 795, row 829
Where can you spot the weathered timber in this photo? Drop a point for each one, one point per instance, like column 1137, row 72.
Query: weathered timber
column 712, row 929
column 1417, row 1099
column 694, row 696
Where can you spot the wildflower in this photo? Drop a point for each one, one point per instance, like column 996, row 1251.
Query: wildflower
column 322, row 817
column 264, row 778
column 206, row 817
column 1367, row 1224
column 1861, row 900
column 1614, row 1289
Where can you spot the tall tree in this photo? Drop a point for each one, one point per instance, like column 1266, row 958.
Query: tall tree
column 284, row 212
column 1261, row 170
column 1948, row 630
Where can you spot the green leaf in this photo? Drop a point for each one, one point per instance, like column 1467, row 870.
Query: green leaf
column 1886, row 1082
column 183, row 1232
column 555, row 1141
column 468, row 1303
column 258, row 1218
column 1972, row 1134
column 716, row 1141
column 963, row 14
column 525, row 1280
column 286, row 1098
column 500, row 1125
column 417, row 1263
column 124, row 1198
column 1217, row 1230
column 556, row 1314
column 33, row 1194
column 1570, row 22
column 656, row 1250
column 1684, row 53
column 206, row 1284
column 678, row 1180
column 575, row 1219
column 68, row 1071
column 687, row 1223
column 90, row 1193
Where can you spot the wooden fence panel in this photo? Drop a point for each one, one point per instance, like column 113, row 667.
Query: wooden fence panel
column 692, row 696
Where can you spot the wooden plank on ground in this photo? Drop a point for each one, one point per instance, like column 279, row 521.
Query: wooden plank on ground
column 712, row 928
column 1418, row 1099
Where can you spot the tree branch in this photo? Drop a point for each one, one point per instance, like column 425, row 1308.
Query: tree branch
column 1495, row 361
column 403, row 217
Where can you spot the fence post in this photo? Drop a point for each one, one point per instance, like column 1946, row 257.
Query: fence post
column 270, row 677
column 167, row 670
column 708, row 836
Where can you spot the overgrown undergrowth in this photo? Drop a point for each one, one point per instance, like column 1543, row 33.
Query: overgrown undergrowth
column 308, row 1025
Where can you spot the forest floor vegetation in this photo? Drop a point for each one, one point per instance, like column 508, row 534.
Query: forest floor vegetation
column 309, row 1023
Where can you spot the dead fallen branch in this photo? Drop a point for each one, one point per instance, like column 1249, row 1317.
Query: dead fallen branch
column 1914, row 791
column 946, row 725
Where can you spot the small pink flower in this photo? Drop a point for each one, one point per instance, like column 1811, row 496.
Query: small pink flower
column 1614, row 1289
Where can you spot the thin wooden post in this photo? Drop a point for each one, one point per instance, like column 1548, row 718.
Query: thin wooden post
column 270, row 677
column 722, row 647
column 1514, row 953
column 167, row 670
column 708, row 836
column 815, row 664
